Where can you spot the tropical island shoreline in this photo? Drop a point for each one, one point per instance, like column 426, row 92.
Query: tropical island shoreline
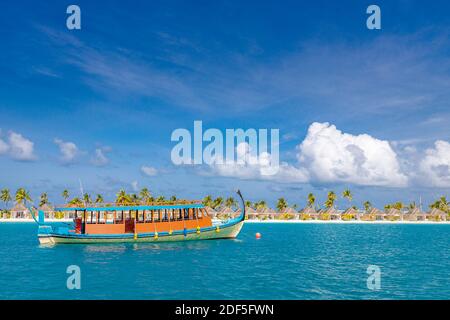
column 256, row 221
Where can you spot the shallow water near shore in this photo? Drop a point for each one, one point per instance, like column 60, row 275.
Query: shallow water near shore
column 290, row 261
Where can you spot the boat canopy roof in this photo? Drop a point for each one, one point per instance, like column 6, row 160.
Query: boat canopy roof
column 130, row 207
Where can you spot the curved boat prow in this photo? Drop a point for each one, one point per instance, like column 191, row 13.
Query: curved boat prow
column 236, row 224
column 40, row 219
column 242, row 216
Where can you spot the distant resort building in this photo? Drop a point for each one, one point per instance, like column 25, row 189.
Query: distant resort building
column 48, row 210
column 378, row 214
column 415, row 215
column 226, row 212
column 393, row 214
column 329, row 214
column 251, row 213
column 291, row 213
column 265, row 213
column 350, row 214
column 211, row 212
column 437, row 215
column 309, row 213
column 20, row 211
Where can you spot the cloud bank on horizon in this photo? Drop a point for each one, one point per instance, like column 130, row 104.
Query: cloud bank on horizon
column 327, row 155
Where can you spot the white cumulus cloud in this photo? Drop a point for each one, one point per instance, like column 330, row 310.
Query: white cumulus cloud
column 100, row 158
column 251, row 166
column 329, row 155
column 149, row 171
column 435, row 166
column 4, row 148
column 69, row 150
column 18, row 147
column 326, row 155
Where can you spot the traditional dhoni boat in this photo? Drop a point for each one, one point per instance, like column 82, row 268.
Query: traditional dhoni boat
column 159, row 222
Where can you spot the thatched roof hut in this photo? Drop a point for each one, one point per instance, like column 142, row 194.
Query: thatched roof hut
column 326, row 214
column 46, row 208
column 415, row 214
column 376, row 214
column 393, row 214
column 266, row 212
column 308, row 210
column 251, row 213
column 20, row 211
column 309, row 213
column 350, row 214
column 211, row 212
column 437, row 215
column 225, row 212
column 290, row 210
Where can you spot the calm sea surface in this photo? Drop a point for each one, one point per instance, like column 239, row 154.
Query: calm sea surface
column 290, row 261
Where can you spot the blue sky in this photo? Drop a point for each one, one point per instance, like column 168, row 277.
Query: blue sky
column 100, row 103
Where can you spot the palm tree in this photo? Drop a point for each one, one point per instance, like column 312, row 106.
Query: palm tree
column 398, row 205
column 331, row 198
column 135, row 198
column 367, row 205
column 230, row 202
column 122, row 198
column 99, row 199
column 281, row 204
column 5, row 196
column 441, row 204
column 248, row 204
column 87, row 198
column 173, row 198
column 260, row 205
column 347, row 194
column 217, row 202
column 22, row 196
column 43, row 199
column 160, row 199
column 207, row 201
column 65, row 195
column 76, row 202
column 311, row 200
column 412, row 205
column 145, row 196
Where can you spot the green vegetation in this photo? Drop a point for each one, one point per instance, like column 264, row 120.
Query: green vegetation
column 144, row 197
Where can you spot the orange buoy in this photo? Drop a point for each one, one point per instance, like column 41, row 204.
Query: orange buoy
column 258, row 235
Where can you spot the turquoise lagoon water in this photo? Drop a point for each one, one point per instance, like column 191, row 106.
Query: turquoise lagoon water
column 290, row 261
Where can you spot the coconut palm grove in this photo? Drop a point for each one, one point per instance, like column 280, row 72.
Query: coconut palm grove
column 224, row 208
